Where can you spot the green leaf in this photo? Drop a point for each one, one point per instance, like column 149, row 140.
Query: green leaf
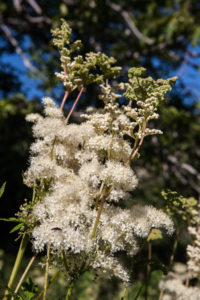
column 30, row 288
column 15, row 228
column 12, row 219
column 155, row 234
column 2, row 189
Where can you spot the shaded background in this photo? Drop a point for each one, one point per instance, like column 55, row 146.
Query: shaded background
column 163, row 36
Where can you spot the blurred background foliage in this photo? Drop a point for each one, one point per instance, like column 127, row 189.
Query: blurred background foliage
column 162, row 36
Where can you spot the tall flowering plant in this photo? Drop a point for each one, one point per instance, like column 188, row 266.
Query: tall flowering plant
column 82, row 174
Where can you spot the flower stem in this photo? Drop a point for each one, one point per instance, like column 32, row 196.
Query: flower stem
column 22, row 248
column 105, row 194
column 139, row 291
column 24, row 274
column 148, row 269
column 74, row 105
column 65, row 261
column 69, row 291
column 174, row 248
column 46, row 273
column 98, row 195
column 64, row 100
column 171, row 257
column 50, row 281
column 124, row 293
column 135, row 150
column 71, row 285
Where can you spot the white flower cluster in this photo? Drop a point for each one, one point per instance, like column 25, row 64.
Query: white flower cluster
column 176, row 284
column 175, row 289
column 78, row 165
column 193, row 252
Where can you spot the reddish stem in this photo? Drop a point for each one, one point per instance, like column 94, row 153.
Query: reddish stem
column 64, row 100
column 74, row 105
column 148, row 269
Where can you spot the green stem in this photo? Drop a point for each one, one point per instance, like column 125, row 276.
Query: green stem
column 148, row 269
column 105, row 194
column 124, row 293
column 139, row 291
column 171, row 257
column 121, row 236
column 70, row 288
column 34, row 194
column 53, row 145
column 135, row 150
column 69, row 291
column 98, row 195
column 65, row 261
column 174, row 248
column 46, row 273
column 50, row 281
column 25, row 273
column 18, row 260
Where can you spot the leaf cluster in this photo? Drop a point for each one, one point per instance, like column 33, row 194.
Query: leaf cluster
column 180, row 208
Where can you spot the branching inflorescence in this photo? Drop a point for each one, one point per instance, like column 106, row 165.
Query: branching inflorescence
column 83, row 172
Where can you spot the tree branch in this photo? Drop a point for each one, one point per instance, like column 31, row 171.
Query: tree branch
column 38, row 19
column 17, row 5
column 127, row 17
column 15, row 44
column 189, row 168
column 35, row 6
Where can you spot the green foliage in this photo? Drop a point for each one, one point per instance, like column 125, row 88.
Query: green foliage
column 140, row 89
column 23, row 217
column 29, row 288
column 179, row 207
column 155, row 234
column 2, row 189
column 21, row 223
column 14, row 295
column 15, row 105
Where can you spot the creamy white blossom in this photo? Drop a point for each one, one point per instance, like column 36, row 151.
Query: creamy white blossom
column 77, row 163
column 175, row 289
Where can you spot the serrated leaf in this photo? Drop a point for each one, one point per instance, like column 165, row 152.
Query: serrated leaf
column 2, row 189
column 15, row 228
